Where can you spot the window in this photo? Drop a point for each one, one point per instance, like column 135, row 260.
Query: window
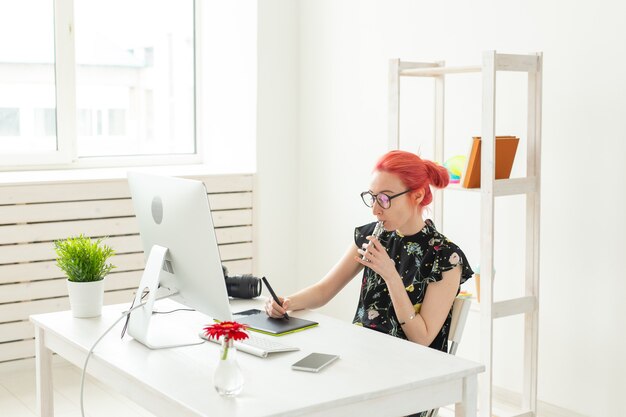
column 9, row 122
column 95, row 83
column 117, row 122
column 27, row 93
column 97, row 79
column 147, row 52
column 85, row 123
column 45, row 122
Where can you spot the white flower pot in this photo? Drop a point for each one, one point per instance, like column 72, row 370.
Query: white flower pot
column 86, row 298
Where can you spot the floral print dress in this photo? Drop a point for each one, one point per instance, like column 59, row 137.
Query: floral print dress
column 420, row 259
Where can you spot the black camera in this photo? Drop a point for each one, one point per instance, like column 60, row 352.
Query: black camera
column 242, row 286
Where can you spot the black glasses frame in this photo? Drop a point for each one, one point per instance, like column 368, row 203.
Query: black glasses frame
column 380, row 203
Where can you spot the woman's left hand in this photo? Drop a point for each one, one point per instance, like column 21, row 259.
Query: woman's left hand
column 377, row 259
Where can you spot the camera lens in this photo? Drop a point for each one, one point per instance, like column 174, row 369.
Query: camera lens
column 243, row 286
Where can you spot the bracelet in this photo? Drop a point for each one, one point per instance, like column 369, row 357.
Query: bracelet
column 402, row 323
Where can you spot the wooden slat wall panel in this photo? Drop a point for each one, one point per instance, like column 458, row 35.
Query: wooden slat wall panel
column 243, row 266
column 35, row 290
column 236, row 251
column 21, row 311
column 16, row 330
column 33, row 271
column 45, row 251
column 45, row 232
column 98, row 209
column 25, row 348
column 33, row 252
column 17, row 350
column 104, row 190
column 42, row 232
column 33, row 216
column 50, row 212
column 227, row 218
column 115, row 284
column 42, row 251
column 45, row 193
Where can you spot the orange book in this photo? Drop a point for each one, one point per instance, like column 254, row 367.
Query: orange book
column 506, row 146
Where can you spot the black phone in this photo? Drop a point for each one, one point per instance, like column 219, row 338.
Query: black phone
column 247, row 312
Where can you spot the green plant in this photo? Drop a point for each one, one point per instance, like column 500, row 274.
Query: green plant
column 82, row 259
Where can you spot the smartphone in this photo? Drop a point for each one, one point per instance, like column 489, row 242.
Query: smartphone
column 314, row 362
column 247, row 312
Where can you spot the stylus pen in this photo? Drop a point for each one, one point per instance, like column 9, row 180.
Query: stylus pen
column 269, row 288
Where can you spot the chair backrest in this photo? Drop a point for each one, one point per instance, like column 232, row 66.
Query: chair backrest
column 460, row 310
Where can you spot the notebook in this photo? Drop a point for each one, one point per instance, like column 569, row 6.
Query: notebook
column 259, row 321
column 506, row 146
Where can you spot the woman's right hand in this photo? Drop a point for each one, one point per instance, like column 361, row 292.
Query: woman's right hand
column 274, row 310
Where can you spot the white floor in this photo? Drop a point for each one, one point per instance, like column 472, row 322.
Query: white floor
column 18, row 395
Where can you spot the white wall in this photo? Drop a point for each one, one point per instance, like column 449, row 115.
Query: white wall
column 277, row 144
column 229, row 77
column 341, row 52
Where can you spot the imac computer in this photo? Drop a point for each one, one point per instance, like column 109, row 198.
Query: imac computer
column 181, row 253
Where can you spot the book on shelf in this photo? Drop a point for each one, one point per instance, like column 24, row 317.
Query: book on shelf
column 506, row 147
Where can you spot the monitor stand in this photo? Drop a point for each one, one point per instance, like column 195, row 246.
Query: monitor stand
column 155, row 337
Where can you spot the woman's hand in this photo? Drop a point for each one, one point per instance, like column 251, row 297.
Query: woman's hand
column 274, row 310
column 377, row 259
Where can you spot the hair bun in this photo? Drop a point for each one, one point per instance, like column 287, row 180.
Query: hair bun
column 416, row 173
column 438, row 175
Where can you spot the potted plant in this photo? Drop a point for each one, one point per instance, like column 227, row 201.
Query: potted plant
column 85, row 263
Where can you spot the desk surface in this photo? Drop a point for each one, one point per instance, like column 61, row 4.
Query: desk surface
column 376, row 374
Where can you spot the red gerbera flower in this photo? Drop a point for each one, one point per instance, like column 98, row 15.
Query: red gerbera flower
column 228, row 329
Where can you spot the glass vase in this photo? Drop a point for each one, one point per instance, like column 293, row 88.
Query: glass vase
column 228, row 379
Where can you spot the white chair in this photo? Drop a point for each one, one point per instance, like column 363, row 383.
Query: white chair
column 460, row 310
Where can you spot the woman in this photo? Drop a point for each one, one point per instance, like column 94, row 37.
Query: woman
column 412, row 272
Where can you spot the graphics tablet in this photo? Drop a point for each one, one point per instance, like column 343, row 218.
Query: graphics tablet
column 261, row 322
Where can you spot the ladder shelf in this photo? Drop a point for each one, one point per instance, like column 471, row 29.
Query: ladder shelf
column 529, row 186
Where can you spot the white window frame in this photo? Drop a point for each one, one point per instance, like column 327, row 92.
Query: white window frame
column 65, row 157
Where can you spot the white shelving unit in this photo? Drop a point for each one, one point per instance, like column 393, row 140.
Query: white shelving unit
column 529, row 186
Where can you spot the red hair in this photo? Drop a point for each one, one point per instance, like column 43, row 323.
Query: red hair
column 416, row 173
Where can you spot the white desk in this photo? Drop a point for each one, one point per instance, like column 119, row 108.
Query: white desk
column 377, row 375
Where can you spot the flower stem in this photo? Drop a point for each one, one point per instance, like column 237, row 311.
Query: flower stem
column 225, row 352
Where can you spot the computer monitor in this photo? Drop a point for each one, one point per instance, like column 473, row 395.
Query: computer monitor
column 180, row 247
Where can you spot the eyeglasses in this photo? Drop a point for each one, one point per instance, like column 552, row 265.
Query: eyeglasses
column 382, row 199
